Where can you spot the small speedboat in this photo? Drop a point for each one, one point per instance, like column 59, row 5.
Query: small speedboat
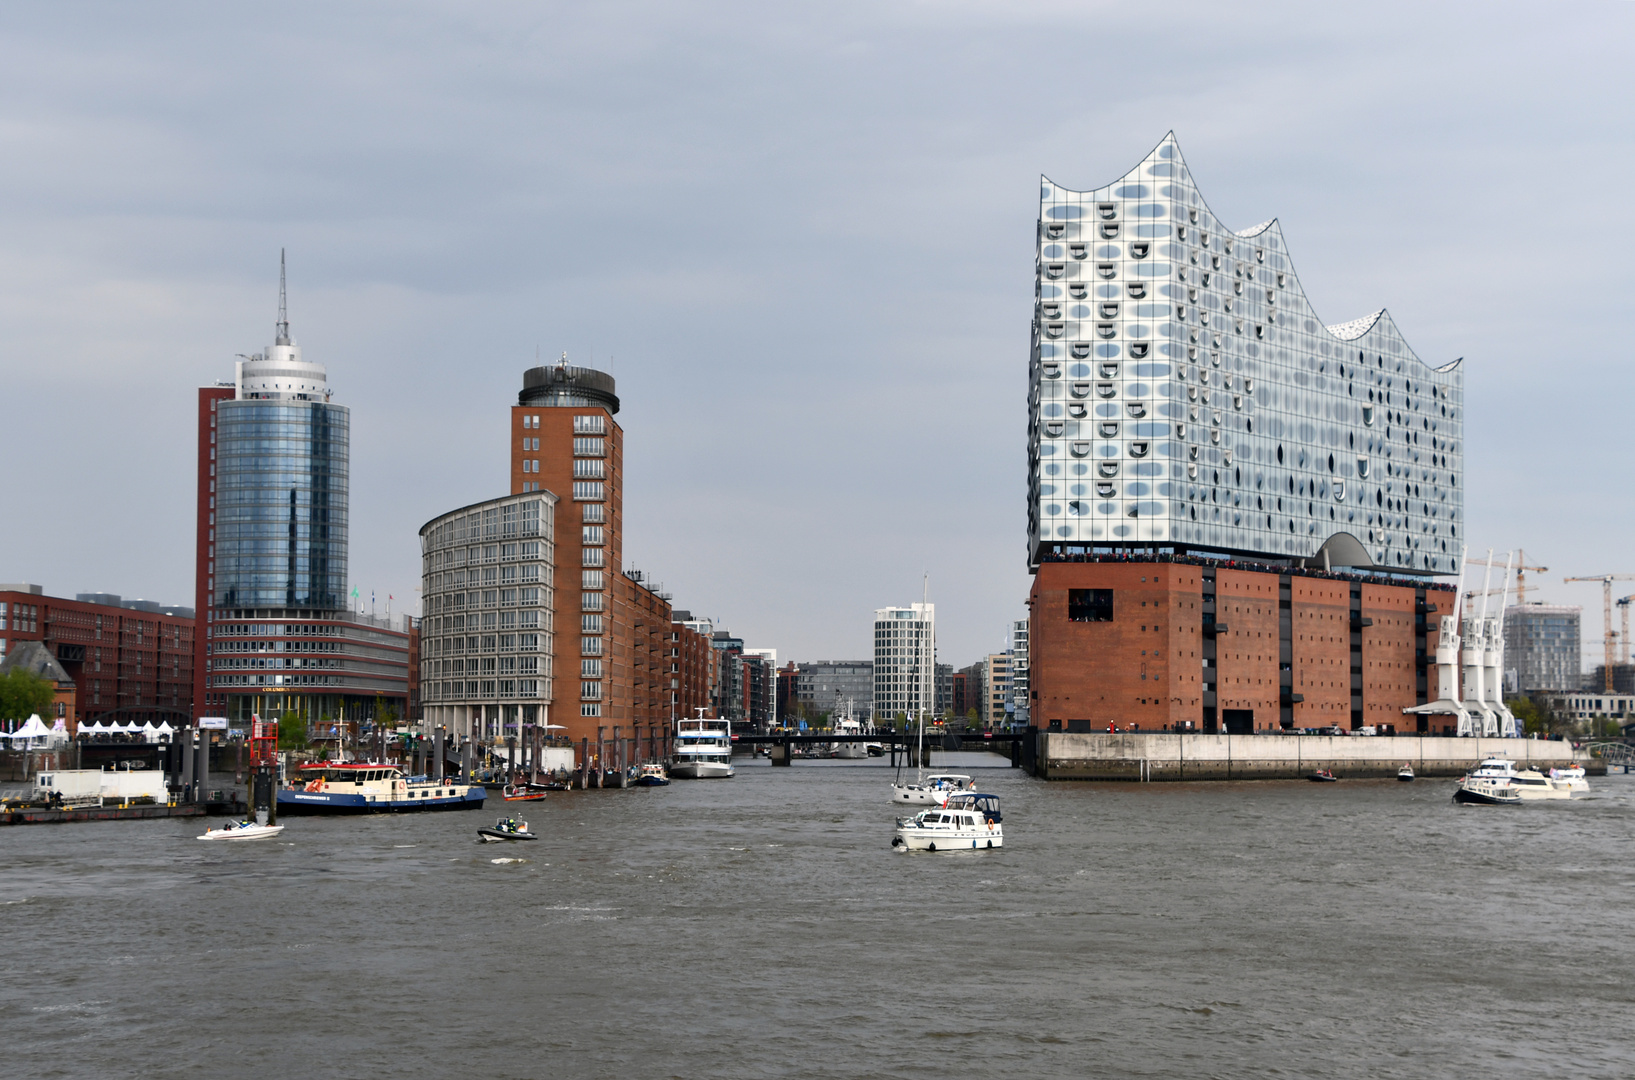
column 242, row 830
column 1323, row 776
column 506, row 829
column 652, row 775
column 1570, row 778
column 1406, row 773
column 522, row 793
column 970, row 820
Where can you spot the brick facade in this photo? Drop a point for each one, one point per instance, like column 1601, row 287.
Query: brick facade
column 1166, row 646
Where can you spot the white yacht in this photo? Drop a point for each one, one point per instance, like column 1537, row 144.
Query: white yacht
column 970, row 820
column 702, row 750
column 848, row 725
column 1571, row 778
column 933, row 790
column 243, row 830
column 1530, row 784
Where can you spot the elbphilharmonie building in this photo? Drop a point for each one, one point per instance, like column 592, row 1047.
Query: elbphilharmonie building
column 1184, row 396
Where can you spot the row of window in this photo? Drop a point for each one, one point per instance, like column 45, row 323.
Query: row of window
column 472, row 689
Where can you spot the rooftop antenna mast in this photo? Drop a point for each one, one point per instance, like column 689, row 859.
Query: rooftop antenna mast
column 283, row 304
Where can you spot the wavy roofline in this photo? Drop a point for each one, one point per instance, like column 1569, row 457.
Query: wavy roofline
column 1270, row 224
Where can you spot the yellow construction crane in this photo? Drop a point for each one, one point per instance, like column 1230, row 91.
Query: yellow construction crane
column 1611, row 639
column 1519, row 566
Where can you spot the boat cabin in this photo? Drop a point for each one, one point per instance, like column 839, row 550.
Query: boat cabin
column 986, row 805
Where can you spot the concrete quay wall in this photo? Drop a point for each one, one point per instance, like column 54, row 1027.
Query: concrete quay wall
column 1169, row 757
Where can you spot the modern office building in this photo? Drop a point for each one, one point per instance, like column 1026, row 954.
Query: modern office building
column 1204, row 456
column 1542, row 647
column 830, row 687
column 1019, row 671
column 488, row 623
column 731, row 688
column 130, row 660
column 998, row 705
column 905, row 656
column 277, row 633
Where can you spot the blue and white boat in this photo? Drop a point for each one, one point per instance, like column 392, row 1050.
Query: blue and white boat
column 366, row 787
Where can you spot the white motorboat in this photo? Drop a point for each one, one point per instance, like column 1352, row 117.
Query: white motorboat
column 1487, row 791
column 970, row 820
column 1530, row 784
column 1571, row 778
column 703, row 749
column 1406, row 773
column 933, row 790
column 242, row 830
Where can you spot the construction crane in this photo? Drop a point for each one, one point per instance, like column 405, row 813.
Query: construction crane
column 1611, row 639
column 1623, row 644
column 1521, row 572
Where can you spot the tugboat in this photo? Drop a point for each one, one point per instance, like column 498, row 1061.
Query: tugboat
column 1323, row 776
column 506, row 829
column 969, row 821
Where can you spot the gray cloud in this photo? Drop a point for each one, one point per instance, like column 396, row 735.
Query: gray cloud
column 803, row 233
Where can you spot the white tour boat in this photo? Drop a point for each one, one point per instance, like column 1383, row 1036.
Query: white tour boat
column 969, row 820
column 242, row 830
column 848, row 725
column 933, row 790
column 703, row 749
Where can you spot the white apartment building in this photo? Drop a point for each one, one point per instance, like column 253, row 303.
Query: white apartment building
column 905, row 656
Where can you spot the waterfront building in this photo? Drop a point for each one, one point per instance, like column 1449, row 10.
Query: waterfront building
column 761, row 687
column 615, row 626
column 128, row 659
column 1585, row 705
column 694, row 664
column 277, row 633
column 905, row 654
column 1205, row 458
column 829, row 687
column 1019, row 671
column 1184, row 395
column 1541, row 647
column 731, row 702
column 944, row 675
column 488, row 628
column 998, row 706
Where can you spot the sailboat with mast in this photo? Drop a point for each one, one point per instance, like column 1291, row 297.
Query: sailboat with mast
column 932, row 790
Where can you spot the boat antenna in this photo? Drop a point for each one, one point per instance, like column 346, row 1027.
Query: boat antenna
column 283, row 305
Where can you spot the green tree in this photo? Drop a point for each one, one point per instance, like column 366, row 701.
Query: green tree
column 1534, row 720
column 292, row 731
column 23, row 693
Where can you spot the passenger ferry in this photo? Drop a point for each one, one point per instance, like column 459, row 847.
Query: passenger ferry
column 703, row 749
column 366, row 787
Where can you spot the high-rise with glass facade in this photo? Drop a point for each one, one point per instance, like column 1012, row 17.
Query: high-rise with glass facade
column 1184, row 395
column 1233, row 509
column 1542, row 647
column 277, row 633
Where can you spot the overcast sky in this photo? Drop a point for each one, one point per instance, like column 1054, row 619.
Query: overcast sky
column 800, row 236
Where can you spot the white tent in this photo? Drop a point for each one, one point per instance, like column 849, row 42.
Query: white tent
column 164, row 731
column 31, row 733
column 59, row 732
column 149, row 732
column 95, row 728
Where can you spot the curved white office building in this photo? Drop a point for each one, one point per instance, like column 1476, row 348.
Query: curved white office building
column 1184, row 396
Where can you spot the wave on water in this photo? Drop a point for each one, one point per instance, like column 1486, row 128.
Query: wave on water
column 502, row 862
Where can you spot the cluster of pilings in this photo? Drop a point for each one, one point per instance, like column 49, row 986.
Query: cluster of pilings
column 612, row 759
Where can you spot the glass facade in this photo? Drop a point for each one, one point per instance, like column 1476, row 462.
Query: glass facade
column 281, row 505
column 1541, row 647
column 1183, row 393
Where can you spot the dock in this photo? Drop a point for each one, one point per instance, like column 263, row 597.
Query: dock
column 65, row 815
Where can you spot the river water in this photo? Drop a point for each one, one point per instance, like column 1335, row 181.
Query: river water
column 763, row 927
